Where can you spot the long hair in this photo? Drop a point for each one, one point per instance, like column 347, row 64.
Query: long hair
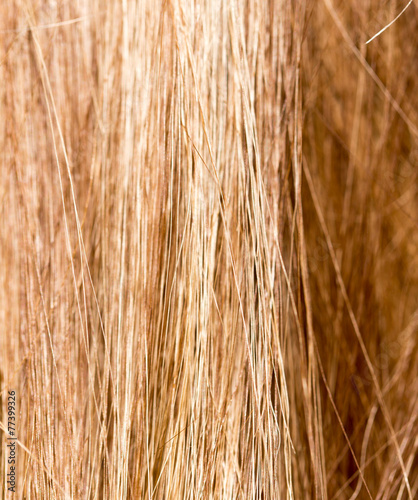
column 208, row 250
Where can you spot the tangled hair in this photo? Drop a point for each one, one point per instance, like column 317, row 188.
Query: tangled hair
column 209, row 249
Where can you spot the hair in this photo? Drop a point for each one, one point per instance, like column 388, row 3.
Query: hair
column 208, row 250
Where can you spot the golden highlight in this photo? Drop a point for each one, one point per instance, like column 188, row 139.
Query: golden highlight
column 208, row 250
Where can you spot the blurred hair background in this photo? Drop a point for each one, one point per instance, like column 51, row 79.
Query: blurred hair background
column 208, row 250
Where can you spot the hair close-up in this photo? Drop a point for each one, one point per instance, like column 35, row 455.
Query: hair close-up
column 209, row 249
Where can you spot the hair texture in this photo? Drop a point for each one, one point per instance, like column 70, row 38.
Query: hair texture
column 209, row 248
